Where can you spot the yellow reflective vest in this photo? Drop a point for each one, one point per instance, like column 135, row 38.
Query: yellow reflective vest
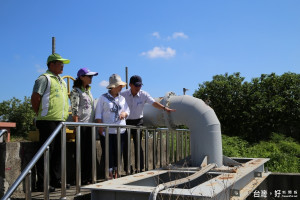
column 54, row 104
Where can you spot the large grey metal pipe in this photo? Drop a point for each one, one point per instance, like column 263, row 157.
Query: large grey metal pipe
column 201, row 119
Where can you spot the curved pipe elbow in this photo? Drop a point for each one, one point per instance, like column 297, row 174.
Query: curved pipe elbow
column 202, row 121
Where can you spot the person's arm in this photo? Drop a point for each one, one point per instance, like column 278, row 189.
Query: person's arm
column 100, row 129
column 123, row 115
column 75, row 118
column 35, row 102
column 157, row 105
column 162, row 107
column 98, row 115
column 125, row 112
column 37, row 93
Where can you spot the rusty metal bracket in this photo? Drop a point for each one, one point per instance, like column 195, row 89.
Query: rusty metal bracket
column 258, row 174
column 235, row 192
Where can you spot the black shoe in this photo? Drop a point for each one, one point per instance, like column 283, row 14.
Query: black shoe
column 136, row 171
column 131, row 169
column 86, row 182
column 58, row 185
column 41, row 189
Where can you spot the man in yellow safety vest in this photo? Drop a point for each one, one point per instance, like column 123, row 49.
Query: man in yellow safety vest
column 49, row 101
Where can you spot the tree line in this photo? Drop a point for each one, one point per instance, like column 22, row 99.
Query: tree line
column 251, row 110
column 15, row 110
column 256, row 109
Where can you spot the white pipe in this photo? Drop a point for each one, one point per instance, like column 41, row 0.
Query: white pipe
column 201, row 119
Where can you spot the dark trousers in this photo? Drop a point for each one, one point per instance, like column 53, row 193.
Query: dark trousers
column 86, row 153
column 135, row 122
column 113, row 149
column 46, row 128
column 102, row 166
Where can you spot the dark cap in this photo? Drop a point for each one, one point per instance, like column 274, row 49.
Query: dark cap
column 136, row 80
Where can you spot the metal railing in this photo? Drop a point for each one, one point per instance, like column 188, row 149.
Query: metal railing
column 2, row 132
column 61, row 128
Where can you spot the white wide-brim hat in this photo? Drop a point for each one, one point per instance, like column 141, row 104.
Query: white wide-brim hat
column 115, row 81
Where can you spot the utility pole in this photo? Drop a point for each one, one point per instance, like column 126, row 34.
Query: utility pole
column 126, row 74
column 53, row 45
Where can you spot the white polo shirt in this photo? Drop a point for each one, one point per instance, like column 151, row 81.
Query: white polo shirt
column 104, row 111
column 136, row 103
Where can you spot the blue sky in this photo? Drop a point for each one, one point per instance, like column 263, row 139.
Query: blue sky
column 171, row 44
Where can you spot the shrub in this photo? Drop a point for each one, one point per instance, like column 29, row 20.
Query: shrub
column 253, row 110
column 284, row 152
column 15, row 110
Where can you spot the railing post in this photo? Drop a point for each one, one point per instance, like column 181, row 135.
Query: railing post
column 63, row 162
column 172, row 141
column 154, row 149
column 107, row 153
column 118, row 152
column 138, row 132
column 46, row 174
column 181, row 137
column 185, row 148
column 161, row 148
column 177, row 146
column 146, row 150
column 189, row 144
column 78, row 160
column 94, row 155
column 128, row 150
column 167, row 148
column 28, row 186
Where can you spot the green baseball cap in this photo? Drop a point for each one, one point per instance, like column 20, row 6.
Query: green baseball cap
column 55, row 56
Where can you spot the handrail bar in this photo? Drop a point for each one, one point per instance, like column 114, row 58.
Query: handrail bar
column 166, row 129
column 2, row 131
column 32, row 163
column 161, row 129
column 102, row 125
column 183, row 129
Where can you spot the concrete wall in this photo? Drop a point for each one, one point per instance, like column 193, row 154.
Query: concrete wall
column 15, row 156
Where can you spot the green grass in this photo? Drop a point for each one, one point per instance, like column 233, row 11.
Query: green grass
column 284, row 152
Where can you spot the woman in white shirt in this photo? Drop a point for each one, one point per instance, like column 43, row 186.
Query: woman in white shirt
column 112, row 109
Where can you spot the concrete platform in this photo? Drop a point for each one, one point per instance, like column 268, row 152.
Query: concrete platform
column 226, row 182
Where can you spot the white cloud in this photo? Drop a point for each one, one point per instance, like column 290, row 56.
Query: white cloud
column 175, row 35
column 156, row 34
column 179, row 35
column 160, row 52
column 104, row 83
column 39, row 69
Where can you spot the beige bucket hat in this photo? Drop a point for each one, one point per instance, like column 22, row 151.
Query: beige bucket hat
column 115, row 81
